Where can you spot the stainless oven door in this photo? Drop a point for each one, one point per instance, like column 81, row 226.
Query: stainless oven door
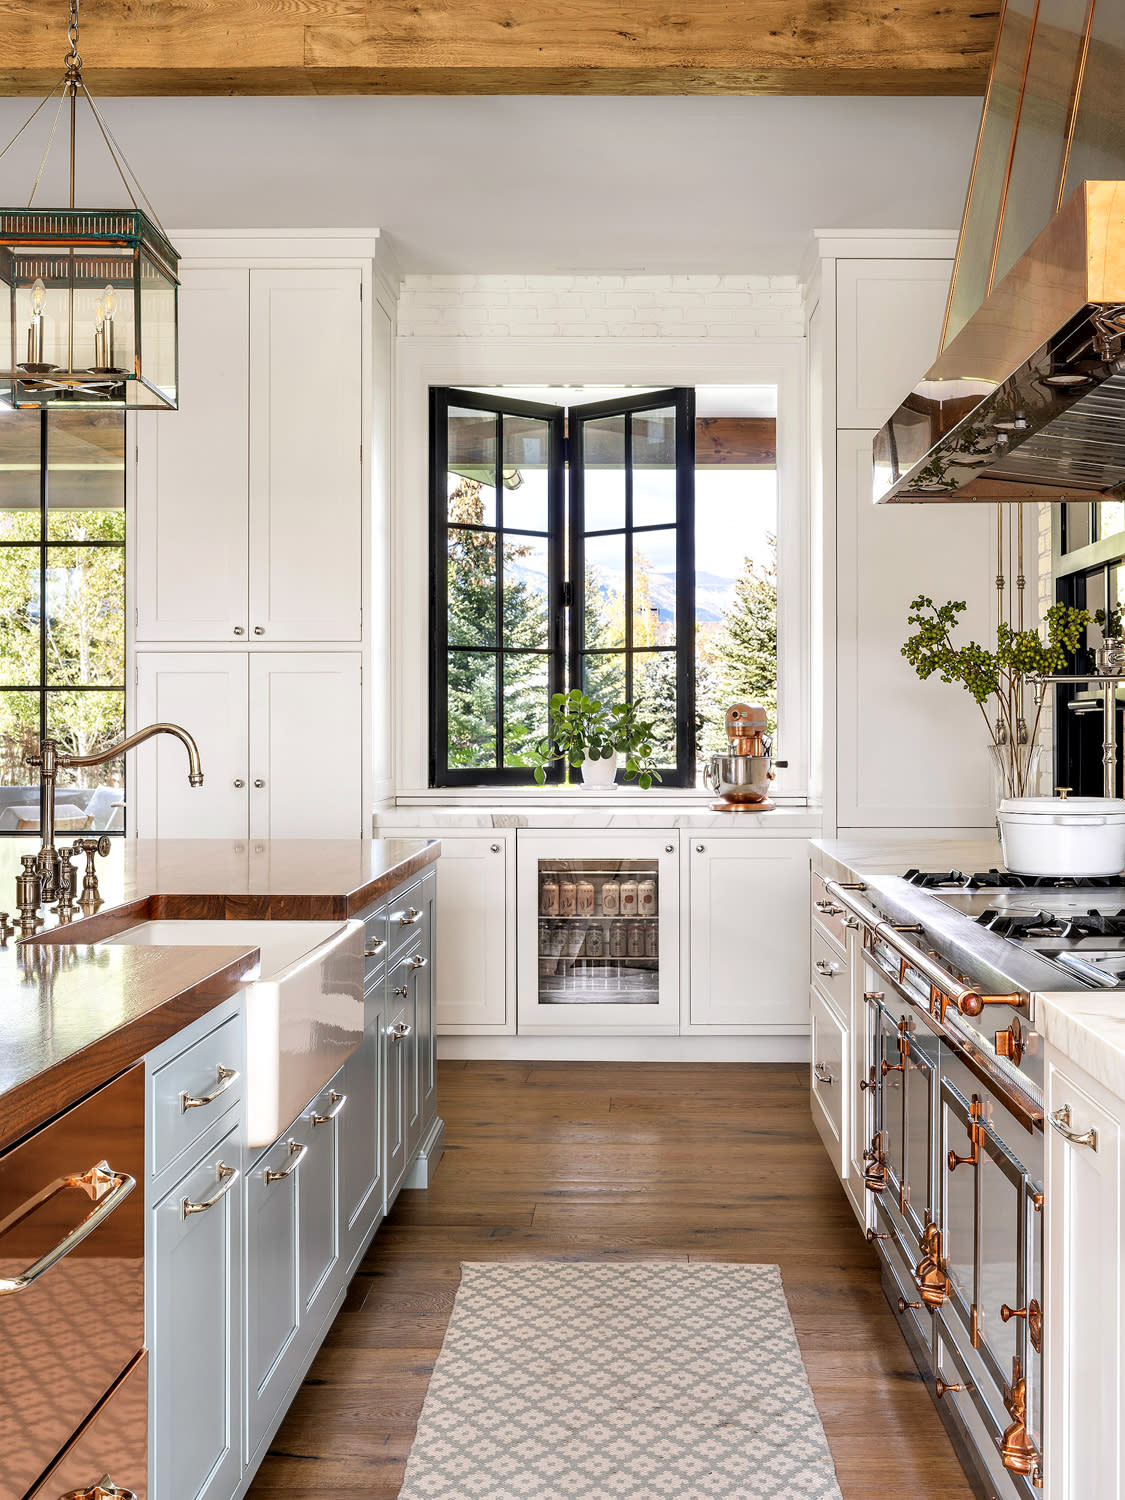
column 71, row 1273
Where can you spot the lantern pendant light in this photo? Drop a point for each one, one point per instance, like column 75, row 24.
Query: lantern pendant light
column 88, row 312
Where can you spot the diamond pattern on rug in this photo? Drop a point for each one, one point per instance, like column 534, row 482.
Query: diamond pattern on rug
column 645, row 1380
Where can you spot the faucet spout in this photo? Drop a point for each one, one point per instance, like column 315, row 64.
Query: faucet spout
column 195, row 774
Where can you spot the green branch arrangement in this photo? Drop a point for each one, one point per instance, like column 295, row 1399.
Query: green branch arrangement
column 1001, row 674
column 582, row 728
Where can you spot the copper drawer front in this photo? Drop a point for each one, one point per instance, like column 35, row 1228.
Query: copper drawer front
column 71, row 1273
column 113, row 1445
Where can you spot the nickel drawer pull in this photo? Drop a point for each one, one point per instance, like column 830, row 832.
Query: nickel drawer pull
column 375, row 947
column 821, row 1073
column 418, row 962
column 410, row 917
column 228, row 1176
column 829, row 908
column 338, row 1102
column 101, row 1183
column 295, row 1149
column 227, row 1078
column 105, row 1489
column 1060, row 1119
column 399, row 1031
column 826, row 969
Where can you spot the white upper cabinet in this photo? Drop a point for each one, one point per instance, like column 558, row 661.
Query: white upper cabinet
column 909, row 754
column 889, row 320
column 192, row 581
column 250, row 498
column 306, row 767
column 205, row 691
column 305, row 435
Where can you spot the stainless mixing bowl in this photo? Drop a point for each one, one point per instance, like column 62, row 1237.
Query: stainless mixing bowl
column 739, row 778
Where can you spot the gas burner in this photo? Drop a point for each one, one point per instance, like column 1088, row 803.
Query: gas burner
column 1005, row 880
column 934, row 878
column 1022, row 924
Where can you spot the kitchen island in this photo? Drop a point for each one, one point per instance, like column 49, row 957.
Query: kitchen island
column 969, row 1085
column 268, row 1096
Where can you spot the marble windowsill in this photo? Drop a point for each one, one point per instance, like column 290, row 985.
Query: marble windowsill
column 799, row 822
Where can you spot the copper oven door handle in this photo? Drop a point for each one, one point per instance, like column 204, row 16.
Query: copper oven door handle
column 108, row 1189
column 228, row 1077
column 228, row 1176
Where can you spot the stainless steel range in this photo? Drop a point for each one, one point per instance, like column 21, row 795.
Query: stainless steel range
column 947, row 966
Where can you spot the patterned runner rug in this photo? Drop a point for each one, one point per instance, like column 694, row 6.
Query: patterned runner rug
column 649, row 1380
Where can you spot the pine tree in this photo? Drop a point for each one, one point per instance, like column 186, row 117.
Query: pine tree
column 747, row 651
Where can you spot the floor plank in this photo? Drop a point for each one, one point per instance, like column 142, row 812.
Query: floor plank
column 608, row 1161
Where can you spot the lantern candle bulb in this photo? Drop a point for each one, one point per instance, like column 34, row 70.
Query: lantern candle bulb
column 35, row 331
column 109, row 307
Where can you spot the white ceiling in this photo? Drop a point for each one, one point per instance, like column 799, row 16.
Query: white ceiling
column 536, row 185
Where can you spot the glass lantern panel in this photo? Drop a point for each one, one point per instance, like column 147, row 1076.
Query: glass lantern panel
column 157, row 335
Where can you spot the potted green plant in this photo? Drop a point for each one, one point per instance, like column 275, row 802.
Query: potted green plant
column 998, row 678
column 589, row 735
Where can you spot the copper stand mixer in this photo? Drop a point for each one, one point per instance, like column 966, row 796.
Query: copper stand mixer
column 742, row 775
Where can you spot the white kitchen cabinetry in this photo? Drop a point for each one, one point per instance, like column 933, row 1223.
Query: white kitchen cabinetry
column 749, row 933
column 909, row 753
column 828, row 1046
column 361, row 1128
column 196, row 1348
column 889, row 321
column 192, row 581
column 474, row 962
column 279, row 736
column 306, row 503
column 251, row 511
column 1084, row 1445
column 318, row 1217
column 273, row 1310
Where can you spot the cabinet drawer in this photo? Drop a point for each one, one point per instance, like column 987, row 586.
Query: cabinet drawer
column 830, row 914
column 406, row 918
column 830, row 967
column 195, row 1089
column 114, row 1443
column 829, row 1058
column 375, row 944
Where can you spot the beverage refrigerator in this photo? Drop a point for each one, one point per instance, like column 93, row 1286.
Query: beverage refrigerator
column 598, row 933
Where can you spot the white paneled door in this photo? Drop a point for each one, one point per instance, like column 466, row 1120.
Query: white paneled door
column 192, row 576
column 206, row 693
column 306, row 759
column 305, row 469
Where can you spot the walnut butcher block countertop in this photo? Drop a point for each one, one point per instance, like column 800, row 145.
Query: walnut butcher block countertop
column 73, row 1015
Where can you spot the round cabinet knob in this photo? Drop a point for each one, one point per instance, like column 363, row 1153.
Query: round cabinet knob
column 699, row 848
column 240, row 630
column 239, row 783
column 495, row 848
column 259, row 630
column 259, row 783
column 669, row 848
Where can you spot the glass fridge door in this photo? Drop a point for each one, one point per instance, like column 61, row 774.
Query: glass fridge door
column 602, row 928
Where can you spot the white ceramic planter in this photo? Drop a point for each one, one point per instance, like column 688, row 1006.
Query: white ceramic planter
column 599, row 772
column 1057, row 836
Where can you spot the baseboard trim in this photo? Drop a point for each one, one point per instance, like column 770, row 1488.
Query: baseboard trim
column 425, row 1163
column 688, row 1049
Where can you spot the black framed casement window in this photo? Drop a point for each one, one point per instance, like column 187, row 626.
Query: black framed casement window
column 562, row 555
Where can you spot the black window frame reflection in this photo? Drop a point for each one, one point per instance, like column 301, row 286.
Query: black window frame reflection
column 44, row 690
column 566, row 647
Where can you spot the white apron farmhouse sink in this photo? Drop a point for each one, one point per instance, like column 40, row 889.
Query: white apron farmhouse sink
column 304, row 1009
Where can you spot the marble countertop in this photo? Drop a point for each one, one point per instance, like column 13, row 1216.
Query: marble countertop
column 1089, row 1028
column 891, row 854
column 73, row 1014
column 621, row 812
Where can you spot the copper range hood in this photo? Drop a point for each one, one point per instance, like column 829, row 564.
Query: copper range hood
column 1027, row 398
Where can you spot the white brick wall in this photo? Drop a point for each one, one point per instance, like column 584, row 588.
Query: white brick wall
column 599, row 307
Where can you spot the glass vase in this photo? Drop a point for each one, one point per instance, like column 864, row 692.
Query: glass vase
column 1015, row 771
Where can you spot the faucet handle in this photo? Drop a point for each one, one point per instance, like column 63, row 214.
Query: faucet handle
column 6, row 929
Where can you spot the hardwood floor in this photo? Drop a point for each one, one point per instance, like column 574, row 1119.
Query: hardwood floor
column 597, row 1160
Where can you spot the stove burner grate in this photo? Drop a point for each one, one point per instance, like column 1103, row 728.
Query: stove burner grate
column 1004, row 880
column 1019, row 925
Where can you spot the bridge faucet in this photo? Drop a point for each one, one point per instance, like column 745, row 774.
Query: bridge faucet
column 50, row 761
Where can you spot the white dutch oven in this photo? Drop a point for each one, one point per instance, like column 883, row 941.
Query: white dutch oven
column 1063, row 835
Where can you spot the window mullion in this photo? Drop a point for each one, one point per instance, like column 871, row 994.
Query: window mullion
column 499, row 586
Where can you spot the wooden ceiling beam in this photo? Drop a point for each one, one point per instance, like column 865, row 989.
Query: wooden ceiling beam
column 220, row 47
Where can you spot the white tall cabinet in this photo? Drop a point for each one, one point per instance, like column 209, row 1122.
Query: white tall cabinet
column 258, row 534
column 898, row 753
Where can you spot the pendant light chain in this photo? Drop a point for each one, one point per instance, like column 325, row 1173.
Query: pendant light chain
column 72, row 62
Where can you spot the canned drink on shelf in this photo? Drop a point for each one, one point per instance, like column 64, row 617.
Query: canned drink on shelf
column 646, row 897
column 652, row 940
column 636, row 940
column 628, row 898
column 549, row 897
column 611, row 898
column 618, row 942
column 568, row 898
column 595, row 942
column 584, row 898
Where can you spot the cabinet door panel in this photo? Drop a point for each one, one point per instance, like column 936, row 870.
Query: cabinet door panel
column 909, row 754
column 192, row 563
column 196, row 1340
column 424, row 1011
column 318, row 1194
column 1085, row 1301
column 749, row 933
column 272, row 1301
column 396, row 1073
column 470, row 959
column 206, row 693
column 306, row 502
column 361, row 1177
column 889, row 326
column 306, row 722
